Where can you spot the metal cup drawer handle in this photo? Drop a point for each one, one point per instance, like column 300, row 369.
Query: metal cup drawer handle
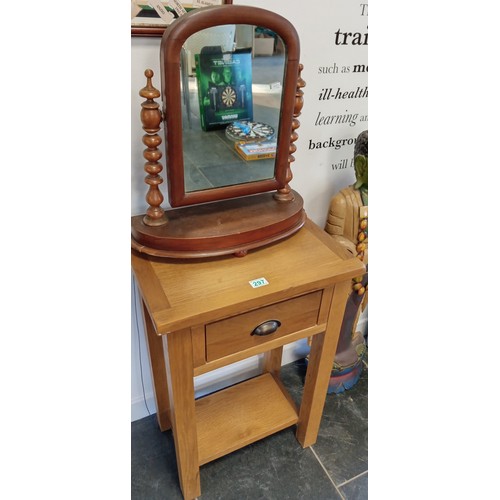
column 266, row 328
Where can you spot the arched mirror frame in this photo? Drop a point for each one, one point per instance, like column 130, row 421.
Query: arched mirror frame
column 170, row 59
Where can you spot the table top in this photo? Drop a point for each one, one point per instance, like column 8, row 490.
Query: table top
column 180, row 293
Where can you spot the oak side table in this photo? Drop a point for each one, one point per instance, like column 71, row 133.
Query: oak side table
column 203, row 314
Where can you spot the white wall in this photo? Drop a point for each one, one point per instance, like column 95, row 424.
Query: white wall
column 315, row 176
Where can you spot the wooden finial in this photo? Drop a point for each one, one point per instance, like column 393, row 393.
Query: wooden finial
column 285, row 193
column 149, row 92
column 151, row 119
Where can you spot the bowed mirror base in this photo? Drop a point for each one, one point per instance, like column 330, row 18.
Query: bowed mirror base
column 225, row 227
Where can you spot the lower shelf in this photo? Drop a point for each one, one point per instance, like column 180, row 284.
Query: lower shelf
column 240, row 415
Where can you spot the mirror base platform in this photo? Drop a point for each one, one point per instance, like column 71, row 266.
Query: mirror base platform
column 225, row 227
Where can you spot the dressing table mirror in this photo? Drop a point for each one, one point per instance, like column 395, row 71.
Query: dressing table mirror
column 231, row 93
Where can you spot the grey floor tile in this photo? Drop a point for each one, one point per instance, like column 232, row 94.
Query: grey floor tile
column 356, row 489
column 194, row 180
column 153, row 464
column 274, row 468
column 342, row 444
column 238, row 172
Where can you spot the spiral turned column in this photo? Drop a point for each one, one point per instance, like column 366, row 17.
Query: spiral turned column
column 285, row 193
column 151, row 119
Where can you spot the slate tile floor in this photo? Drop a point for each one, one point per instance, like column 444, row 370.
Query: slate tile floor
column 275, row 468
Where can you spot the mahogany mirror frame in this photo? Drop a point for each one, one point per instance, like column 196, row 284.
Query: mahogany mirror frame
column 173, row 39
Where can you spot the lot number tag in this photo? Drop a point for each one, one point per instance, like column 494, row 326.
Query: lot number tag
column 258, row 282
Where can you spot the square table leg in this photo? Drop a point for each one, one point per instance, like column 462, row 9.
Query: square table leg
column 178, row 349
column 323, row 348
column 158, row 371
column 272, row 361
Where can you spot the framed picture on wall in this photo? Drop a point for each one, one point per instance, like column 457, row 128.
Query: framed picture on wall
column 151, row 17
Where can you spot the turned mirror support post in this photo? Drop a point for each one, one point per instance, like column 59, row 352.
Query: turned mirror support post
column 151, row 119
column 285, row 194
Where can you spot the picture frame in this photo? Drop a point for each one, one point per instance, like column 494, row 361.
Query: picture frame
column 146, row 20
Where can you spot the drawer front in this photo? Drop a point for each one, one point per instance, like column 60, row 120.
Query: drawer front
column 238, row 333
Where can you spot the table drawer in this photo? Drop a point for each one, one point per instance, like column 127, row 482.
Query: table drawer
column 238, row 333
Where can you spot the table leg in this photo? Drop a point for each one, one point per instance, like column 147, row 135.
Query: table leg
column 272, row 361
column 158, row 372
column 319, row 369
column 178, row 348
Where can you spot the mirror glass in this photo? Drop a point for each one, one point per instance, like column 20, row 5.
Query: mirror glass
column 231, row 80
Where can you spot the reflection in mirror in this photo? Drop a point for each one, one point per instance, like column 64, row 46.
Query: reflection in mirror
column 231, row 80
